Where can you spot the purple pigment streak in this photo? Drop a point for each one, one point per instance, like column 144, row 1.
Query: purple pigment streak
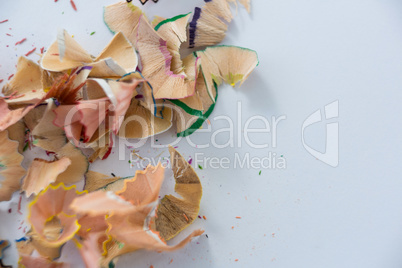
column 193, row 25
column 84, row 68
column 168, row 59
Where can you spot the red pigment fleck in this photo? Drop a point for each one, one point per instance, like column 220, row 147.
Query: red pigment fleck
column 205, row 218
column 20, row 42
column 171, row 261
column 42, row 49
column 30, row 52
column 238, row 217
column 73, row 5
column 14, row 96
column 8, row 34
column 1, row 80
column 236, row 259
column 3, row 21
column 19, row 205
column 11, row 76
column 55, row 54
column 49, row 153
column 9, row 210
column 108, row 153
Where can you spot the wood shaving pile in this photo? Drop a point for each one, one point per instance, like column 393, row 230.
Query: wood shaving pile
column 139, row 86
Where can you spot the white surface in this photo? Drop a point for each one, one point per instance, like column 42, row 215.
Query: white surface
column 311, row 54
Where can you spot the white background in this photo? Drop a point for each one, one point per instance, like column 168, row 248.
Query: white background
column 311, row 52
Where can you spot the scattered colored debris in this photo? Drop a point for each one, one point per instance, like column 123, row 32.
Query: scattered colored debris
column 30, row 52
column 19, row 205
column 3, row 21
column 20, row 42
column 73, row 5
column 26, row 146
